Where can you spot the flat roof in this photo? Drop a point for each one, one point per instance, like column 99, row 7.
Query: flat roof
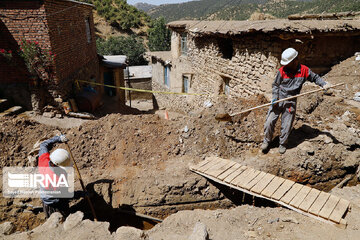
column 114, row 61
column 139, row 72
column 161, row 55
column 265, row 26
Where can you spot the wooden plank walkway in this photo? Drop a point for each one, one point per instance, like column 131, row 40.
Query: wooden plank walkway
column 303, row 199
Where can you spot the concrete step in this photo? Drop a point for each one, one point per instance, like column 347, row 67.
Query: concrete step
column 11, row 111
column 4, row 104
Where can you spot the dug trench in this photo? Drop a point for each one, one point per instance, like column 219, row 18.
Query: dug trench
column 140, row 163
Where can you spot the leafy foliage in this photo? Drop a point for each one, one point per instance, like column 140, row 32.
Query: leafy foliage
column 6, row 54
column 242, row 9
column 120, row 14
column 39, row 62
column 131, row 46
column 159, row 36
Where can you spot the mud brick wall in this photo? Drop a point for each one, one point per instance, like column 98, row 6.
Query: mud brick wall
column 20, row 20
column 68, row 36
column 59, row 26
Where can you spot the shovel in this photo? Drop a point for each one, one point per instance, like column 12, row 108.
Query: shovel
column 229, row 118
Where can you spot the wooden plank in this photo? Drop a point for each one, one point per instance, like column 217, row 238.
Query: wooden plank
column 283, row 189
column 235, row 167
column 244, row 177
column 253, row 182
column 210, row 164
column 245, row 180
column 299, row 198
column 319, row 203
column 343, row 223
column 339, row 210
column 234, row 174
column 204, row 163
column 329, row 206
column 261, row 185
column 216, row 167
column 291, row 193
column 309, row 200
column 199, row 165
column 245, row 173
column 273, row 186
column 223, row 168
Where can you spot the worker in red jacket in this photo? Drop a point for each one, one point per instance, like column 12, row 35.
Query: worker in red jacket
column 50, row 164
column 288, row 82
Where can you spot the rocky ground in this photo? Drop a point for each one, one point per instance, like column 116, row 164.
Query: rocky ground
column 139, row 163
column 243, row 222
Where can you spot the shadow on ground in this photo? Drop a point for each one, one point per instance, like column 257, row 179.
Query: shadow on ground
column 124, row 215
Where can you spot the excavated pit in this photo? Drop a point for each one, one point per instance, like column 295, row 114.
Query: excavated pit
column 140, row 163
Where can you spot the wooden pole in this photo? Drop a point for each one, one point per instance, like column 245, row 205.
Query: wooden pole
column 285, row 99
column 82, row 183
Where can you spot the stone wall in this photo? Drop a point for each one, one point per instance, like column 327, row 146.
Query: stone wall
column 142, row 83
column 178, row 68
column 249, row 66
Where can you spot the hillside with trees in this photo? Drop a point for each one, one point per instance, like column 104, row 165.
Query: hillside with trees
column 144, row 6
column 242, row 9
column 120, row 14
column 122, row 29
column 126, row 30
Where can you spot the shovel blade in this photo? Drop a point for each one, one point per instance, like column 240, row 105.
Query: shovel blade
column 223, row 117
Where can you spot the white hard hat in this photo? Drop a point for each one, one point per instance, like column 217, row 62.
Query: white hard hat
column 288, row 55
column 60, row 157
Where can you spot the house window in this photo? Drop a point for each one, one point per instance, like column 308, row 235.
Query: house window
column 185, row 84
column 226, row 48
column 226, row 87
column 88, row 30
column 184, row 44
column 167, row 76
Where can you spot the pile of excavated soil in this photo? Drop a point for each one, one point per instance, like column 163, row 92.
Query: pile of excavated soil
column 117, row 152
column 348, row 71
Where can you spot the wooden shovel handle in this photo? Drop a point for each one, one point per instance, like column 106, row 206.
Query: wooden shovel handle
column 82, row 183
column 285, row 99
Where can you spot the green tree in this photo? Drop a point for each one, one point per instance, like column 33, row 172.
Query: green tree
column 131, row 46
column 159, row 36
column 120, row 14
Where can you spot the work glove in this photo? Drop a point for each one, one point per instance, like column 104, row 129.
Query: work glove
column 63, row 138
column 327, row 88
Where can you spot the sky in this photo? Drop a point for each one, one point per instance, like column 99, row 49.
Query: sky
column 156, row 2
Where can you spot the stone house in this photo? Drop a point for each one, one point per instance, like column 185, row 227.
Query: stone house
column 241, row 58
column 66, row 28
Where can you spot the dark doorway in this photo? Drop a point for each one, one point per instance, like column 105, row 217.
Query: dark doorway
column 109, row 80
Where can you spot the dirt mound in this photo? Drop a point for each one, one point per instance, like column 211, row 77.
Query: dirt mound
column 348, row 71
